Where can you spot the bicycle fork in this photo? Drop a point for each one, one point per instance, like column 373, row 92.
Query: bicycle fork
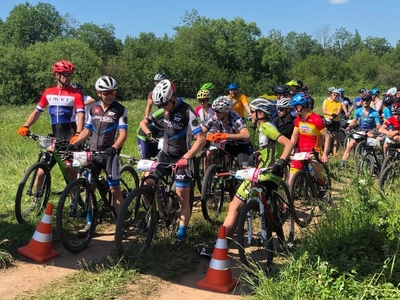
column 261, row 238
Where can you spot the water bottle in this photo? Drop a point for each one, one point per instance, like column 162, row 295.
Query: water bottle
column 311, row 170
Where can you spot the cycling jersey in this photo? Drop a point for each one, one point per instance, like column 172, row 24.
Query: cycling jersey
column 285, row 127
column 234, row 125
column 392, row 123
column 105, row 125
column 310, row 131
column 200, row 113
column 238, row 107
column 149, row 149
column 387, row 112
column 369, row 121
column 331, row 106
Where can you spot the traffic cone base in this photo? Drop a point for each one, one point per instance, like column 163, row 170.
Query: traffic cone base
column 40, row 247
column 219, row 275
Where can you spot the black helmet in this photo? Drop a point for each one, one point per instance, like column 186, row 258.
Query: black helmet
column 77, row 85
column 281, row 89
column 388, row 100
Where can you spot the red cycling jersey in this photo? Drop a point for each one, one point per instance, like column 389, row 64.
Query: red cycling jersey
column 393, row 123
column 310, row 131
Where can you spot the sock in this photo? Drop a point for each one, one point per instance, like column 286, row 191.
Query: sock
column 342, row 163
column 182, row 232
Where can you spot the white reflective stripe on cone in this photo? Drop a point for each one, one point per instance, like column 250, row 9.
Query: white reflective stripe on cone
column 42, row 237
column 221, row 244
column 221, row 265
column 46, row 219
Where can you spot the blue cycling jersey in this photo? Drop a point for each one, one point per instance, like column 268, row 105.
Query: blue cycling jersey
column 369, row 121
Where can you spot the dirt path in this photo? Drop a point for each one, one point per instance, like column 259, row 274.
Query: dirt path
column 27, row 275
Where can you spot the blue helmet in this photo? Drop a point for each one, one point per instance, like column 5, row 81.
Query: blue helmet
column 375, row 91
column 341, row 90
column 299, row 99
column 233, row 86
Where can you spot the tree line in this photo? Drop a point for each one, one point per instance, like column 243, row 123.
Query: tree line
column 202, row 50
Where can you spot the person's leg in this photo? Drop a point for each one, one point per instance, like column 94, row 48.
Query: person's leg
column 346, row 153
column 231, row 220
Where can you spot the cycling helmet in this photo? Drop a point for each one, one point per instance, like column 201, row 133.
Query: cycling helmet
column 163, row 92
column 268, row 107
column 299, row 99
column 207, row 86
column 366, row 96
column 284, row 103
column 106, row 83
column 392, row 91
column 375, row 91
column 77, row 86
column 331, row 89
column 160, row 76
column 336, row 91
column 388, row 100
column 341, row 90
column 362, row 90
column 222, row 103
column 294, row 83
column 396, row 108
column 281, row 89
column 203, row 94
column 63, row 66
column 233, row 86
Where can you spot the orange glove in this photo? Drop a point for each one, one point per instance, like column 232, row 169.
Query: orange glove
column 72, row 140
column 216, row 137
column 23, row 130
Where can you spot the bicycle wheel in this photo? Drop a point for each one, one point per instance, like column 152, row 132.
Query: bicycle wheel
column 284, row 214
column 33, row 193
column 253, row 246
column 302, row 197
column 212, row 194
column 389, row 179
column 388, row 160
column 358, row 151
column 342, row 138
column 129, row 179
column 199, row 169
column 366, row 166
column 136, row 224
column 76, row 216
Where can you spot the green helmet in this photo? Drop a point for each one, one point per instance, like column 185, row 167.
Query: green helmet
column 207, row 86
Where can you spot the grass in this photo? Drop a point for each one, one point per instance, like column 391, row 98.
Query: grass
column 350, row 254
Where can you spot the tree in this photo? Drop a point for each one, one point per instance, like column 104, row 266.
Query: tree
column 29, row 24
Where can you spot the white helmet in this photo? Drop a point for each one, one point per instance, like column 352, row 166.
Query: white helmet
column 222, row 103
column 267, row 106
column 284, row 103
column 392, row 91
column 331, row 89
column 162, row 93
column 160, row 76
column 106, row 83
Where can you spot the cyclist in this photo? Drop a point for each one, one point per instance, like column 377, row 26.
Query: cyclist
column 210, row 87
column 180, row 122
column 332, row 108
column 87, row 100
column 347, row 106
column 284, row 122
column 357, row 100
column 368, row 119
column 108, row 128
column 376, row 101
column 204, row 111
column 230, row 127
column 157, row 78
column 240, row 101
column 294, row 86
column 274, row 149
column 387, row 102
column 281, row 91
column 391, row 128
column 66, row 108
column 308, row 130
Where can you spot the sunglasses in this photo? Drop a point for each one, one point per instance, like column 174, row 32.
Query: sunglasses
column 282, row 108
column 203, row 100
column 106, row 93
column 66, row 74
column 163, row 104
column 217, row 111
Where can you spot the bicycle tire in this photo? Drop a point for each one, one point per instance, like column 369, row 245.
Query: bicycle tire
column 389, row 178
column 302, row 197
column 72, row 215
column 129, row 179
column 135, row 225
column 29, row 205
column 388, row 160
column 366, row 166
column 358, row 151
column 284, row 206
column 212, row 194
column 342, row 138
column 249, row 236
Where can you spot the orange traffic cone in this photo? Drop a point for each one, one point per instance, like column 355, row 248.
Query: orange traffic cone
column 219, row 276
column 39, row 247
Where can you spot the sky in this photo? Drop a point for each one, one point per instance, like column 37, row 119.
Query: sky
column 131, row 17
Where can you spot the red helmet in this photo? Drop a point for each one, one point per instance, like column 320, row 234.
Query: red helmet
column 63, row 66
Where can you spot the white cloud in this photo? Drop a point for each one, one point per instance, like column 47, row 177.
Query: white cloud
column 338, row 1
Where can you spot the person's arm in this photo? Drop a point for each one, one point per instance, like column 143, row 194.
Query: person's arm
column 384, row 130
column 89, row 100
column 33, row 117
column 148, row 107
column 197, row 145
column 243, row 134
column 85, row 133
column 346, row 112
column 288, row 146
column 81, row 122
column 122, row 137
column 327, row 140
column 295, row 136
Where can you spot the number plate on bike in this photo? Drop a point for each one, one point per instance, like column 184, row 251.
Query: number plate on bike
column 147, row 165
column 81, row 159
column 301, row 156
column 248, row 174
column 46, row 142
column 373, row 142
column 218, row 145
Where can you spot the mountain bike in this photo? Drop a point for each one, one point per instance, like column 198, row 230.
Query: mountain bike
column 217, row 182
column 266, row 211
column 372, row 158
column 78, row 207
column 34, row 188
column 305, row 191
column 153, row 204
